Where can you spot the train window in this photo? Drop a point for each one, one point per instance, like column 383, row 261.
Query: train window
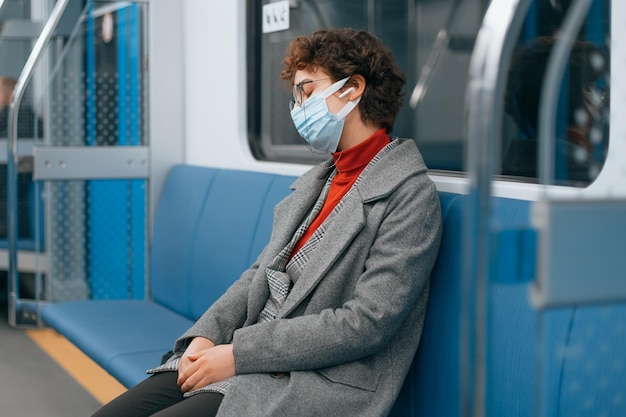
column 409, row 28
column 582, row 128
column 439, row 36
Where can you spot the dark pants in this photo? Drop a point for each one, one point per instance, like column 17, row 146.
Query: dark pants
column 159, row 396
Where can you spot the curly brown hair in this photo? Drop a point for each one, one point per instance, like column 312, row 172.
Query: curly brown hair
column 346, row 52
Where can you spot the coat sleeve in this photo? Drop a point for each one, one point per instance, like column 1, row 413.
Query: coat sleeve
column 394, row 282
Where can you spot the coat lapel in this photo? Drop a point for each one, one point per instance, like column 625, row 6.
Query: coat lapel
column 349, row 221
column 378, row 182
column 290, row 212
column 288, row 215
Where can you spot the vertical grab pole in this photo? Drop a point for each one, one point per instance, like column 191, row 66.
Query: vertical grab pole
column 137, row 187
column 484, row 97
column 557, row 62
column 12, row 156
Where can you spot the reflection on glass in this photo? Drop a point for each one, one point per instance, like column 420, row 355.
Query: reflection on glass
column 583, row 125
column 28, row 124
column 409, row 29
column 581, row 136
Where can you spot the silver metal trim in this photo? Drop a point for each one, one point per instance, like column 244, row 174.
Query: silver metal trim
column 20, row 29
column 565, row 277
column 12, row 152
column 440, row 45
column 89, row 162
column 557, row 62
column 484, row 97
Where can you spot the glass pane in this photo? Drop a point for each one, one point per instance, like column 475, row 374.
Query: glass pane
column 410, row 29
column 582, row 125
column 436, row 118
column 97, row 91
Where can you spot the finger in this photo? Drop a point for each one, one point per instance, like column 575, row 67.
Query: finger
column 181, row 379
column 183, row 374
column 186, row 372
column 183, row 364
column 193, row 382
column 194, row 356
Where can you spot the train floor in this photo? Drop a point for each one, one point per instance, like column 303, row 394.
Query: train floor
column 33, row 383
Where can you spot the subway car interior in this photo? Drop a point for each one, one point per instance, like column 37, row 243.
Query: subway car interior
column 144, row 144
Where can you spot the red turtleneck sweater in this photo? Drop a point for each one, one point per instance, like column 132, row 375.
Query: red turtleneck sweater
column 350, row 163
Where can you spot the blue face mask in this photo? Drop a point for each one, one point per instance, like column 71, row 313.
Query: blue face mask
column 316, row 124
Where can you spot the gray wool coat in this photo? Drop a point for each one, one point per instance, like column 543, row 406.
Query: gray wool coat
column 350, row 327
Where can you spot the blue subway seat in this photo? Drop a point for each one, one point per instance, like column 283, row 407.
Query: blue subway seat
column 210, row 224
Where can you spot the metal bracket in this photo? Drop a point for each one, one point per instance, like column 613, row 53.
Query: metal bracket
column 89, row 162
column 582, row 252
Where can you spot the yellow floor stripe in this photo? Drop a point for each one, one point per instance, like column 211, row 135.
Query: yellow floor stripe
column 86, row 372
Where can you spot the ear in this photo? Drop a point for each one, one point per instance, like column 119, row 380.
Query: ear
column 355, row 87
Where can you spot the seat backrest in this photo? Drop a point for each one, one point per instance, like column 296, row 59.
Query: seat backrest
column 233, row 229
column 433, row 385
column 438, row 316
column 583, row 370
column 210, row 224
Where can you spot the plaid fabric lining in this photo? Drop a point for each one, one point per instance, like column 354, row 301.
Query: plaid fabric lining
column 172, row 366
column 278, row 279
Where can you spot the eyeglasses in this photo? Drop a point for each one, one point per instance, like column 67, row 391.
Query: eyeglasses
column 298, row 98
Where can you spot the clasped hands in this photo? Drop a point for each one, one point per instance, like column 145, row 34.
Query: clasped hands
column 204, row 363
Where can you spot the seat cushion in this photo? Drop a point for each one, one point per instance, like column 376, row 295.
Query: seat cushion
column 125, row 337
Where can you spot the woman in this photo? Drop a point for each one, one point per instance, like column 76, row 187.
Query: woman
column 327, row 320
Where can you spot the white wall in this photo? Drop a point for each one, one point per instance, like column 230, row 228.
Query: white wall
column 166, row 92
column 214, row 49
column 214, row 34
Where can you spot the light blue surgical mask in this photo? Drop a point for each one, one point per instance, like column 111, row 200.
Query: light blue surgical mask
column 316, row 124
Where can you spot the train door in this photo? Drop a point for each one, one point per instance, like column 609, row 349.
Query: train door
column 87, row 201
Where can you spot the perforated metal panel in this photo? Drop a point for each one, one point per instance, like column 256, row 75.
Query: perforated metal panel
column 91, row 220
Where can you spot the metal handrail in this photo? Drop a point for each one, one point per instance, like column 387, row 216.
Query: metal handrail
column 12, row 155
column 555, row 69
column 442, row 40
column 2, row 4
column 484, row 100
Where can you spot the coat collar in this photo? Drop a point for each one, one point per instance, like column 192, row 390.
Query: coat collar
column 379, row 180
